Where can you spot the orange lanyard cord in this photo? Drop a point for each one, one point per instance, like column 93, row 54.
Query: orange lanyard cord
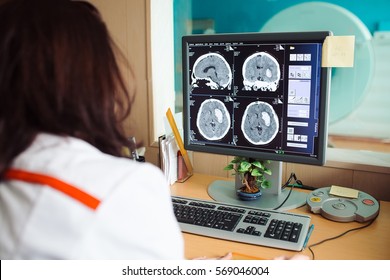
column 72, row 191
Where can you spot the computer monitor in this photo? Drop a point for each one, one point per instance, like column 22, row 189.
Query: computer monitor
column 257, row 95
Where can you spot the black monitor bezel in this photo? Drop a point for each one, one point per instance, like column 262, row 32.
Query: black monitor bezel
column 274, row 38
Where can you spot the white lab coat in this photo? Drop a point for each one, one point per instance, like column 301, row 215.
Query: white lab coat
column 134, row 219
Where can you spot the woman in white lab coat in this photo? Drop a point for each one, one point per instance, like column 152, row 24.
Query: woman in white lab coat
column 65, row 190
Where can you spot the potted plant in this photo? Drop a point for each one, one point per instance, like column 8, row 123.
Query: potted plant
column 251, row 174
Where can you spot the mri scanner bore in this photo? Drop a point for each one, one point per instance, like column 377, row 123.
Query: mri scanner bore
column 261, row 71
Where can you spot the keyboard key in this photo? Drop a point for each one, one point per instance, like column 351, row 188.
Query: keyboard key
column 295, row 232
column 249, row 230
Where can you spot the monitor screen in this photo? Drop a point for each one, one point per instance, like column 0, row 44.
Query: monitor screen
column 258, row 95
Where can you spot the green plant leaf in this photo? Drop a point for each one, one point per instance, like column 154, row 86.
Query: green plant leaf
column 258, row 164
column 261, row 178
column 257, row 172
column 244, row 166
column 267, row 171
column 266, row 184
column 229, row 167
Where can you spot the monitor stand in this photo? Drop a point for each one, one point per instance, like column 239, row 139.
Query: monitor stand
column 225, row 191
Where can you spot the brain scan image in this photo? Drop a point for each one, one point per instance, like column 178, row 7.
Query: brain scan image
column 261, row 71
column 213, row 119
column 213, row 71
column 260, row 123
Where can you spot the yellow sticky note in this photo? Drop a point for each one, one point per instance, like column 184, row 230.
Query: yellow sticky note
column 344, row 192
column 338, row 51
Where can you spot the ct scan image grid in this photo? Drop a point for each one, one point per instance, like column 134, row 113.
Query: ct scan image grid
column 254, row 96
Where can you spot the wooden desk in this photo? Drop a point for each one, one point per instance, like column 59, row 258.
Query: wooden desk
column 369, row 243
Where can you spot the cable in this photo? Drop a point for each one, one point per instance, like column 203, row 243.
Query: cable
column 340, row 235
column 292, row 176
column 304, row 187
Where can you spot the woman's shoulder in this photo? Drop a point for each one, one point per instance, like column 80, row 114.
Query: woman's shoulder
column 78, row 163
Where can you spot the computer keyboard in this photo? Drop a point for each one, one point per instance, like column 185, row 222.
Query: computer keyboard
column 242, row 224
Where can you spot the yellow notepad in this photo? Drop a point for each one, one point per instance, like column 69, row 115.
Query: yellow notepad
column 344, row 192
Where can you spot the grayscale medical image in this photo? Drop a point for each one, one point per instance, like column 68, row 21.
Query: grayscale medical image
column 261, row 71
column 212, row 70
column 260, row 123
column 213, row 119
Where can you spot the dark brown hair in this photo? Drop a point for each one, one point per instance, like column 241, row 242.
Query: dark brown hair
column 59, row 75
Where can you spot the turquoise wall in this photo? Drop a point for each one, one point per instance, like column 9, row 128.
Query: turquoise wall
column 250, row 15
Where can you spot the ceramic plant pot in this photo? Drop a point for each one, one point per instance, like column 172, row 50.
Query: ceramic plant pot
column 248, row 196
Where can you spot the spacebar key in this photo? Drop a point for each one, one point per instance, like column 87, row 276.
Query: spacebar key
column 185, row 220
